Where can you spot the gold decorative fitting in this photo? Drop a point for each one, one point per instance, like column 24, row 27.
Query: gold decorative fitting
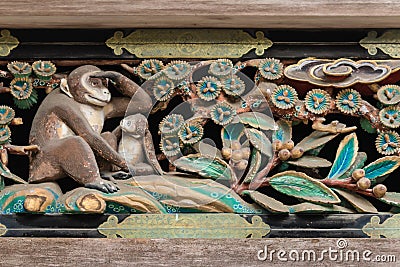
column 7, row 43
column 182, row 43
column 3, row 229
column 184, row 226
column 389, row 228
column 388, row 42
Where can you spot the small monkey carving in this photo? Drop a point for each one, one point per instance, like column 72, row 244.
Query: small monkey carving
column 136, row 146
column 68, row 127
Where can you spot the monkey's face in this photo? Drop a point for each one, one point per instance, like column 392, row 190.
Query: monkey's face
column 134, row 125
column 89, row 90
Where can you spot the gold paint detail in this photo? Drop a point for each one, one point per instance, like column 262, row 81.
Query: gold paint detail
column 7, row 43
column 183, row 43
column 184, row 226
column 3, row 229
column 390, row 228
column 388, row 42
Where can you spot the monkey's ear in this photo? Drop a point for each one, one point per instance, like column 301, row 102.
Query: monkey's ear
column 65, row 88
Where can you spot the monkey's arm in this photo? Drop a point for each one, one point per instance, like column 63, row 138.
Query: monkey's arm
column 73, row 119
column 121, row 106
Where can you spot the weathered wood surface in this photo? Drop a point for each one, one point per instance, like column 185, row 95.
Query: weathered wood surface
column 182, row 252
column 212, row 13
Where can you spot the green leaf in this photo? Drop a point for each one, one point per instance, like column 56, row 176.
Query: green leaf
column 310, row 162
column 361, row 158
column 268, row 203
column 214, row 168
column 260, row 141
column 357, row 201
column 345, row 156
column 257, row 120
column 299, row 185
column 315, row 139
column 194, row 195
column 381, row 167
column 315, row 208
column 255, row 163
column 231, row 132
column 391, row 198
column 284, row 131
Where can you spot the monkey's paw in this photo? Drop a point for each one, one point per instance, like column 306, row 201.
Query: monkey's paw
column 122, row 175
column 103, row 186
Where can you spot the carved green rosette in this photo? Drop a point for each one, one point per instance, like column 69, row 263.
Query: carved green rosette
column 222, row 113
column 348, row 101
column 270, row 68
column 163, row 88
column 25, row 96
column 389, row 94
column 171, row 124
column 284, row 97
column 44, row 70
column 7, row 114
column 191, row 132
column 390, row 116
column 148, row 68
column 221, row 68
column 5, row 134
column 388, row 143
column 177, row 70
column 233, row 85
column 170, row 145
column 208, row 88
column 318, row 101
column 19, row 69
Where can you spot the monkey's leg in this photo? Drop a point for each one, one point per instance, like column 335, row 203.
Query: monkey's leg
column 74, row 157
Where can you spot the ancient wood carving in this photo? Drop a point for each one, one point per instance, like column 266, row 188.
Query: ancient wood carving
column 203, row 136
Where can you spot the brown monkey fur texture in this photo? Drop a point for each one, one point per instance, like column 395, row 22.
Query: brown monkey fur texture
column 68, row 127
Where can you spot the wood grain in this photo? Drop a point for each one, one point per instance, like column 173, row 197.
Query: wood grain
column 198, row 14
column 177, row 252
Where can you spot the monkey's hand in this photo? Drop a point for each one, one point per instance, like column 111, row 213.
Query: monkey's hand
column 112, row 75
column 103, row 185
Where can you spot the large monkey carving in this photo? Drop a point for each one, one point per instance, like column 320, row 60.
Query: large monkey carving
column 68, row 125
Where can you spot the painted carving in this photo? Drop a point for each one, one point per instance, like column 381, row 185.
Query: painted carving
column 225, row 142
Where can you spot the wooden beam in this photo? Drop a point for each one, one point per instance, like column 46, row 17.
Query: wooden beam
column 200, row 14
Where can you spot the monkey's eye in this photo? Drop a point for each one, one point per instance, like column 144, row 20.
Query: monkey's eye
column 128, row 123
column 94, row 83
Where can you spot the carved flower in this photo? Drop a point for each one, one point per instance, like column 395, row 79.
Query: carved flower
column 222, row 113
column 284, row 96
column 177, row 70
column 171, row 124
column 390, row 116
column 5, row 134
column 221, row 67
column 271, row 68
column 318, row 101
column 6, row 114
column 43, row 69
column 389, row 94
column 208, row 88
column 388, row 143
column 163, row 88
column 233, row 86
column 170, row 146
column 19, row 69
column 149, row 67
column 191, row 132
column 21, row 88
column 348, row 101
